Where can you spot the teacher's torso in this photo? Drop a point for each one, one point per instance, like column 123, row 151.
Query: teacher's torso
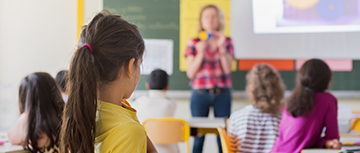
column 210, row 74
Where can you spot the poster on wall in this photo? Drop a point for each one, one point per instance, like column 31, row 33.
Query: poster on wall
column 158, row 55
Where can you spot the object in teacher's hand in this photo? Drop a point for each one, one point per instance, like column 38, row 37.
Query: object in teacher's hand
column 203, row 35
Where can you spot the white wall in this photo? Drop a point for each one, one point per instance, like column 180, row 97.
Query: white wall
column 91, row 8
column 35, row 35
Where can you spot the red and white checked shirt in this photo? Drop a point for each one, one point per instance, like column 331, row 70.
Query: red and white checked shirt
column 211, row 74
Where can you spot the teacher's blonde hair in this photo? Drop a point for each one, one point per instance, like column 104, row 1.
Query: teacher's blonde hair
column 220, row 15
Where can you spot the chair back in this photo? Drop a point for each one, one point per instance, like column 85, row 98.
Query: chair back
column 225, row 143
column 167, row 130
column 356, row 125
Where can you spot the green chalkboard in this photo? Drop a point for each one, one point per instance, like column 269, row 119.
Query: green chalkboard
column 159, row 19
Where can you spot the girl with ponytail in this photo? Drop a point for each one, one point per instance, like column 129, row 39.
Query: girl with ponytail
column 309, row 110
column 103, row 73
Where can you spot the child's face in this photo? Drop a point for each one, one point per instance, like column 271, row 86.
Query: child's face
column 137, row 72
column 209, row 20
column 135, row 78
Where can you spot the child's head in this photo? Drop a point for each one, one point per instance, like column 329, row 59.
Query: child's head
column 112, row 53
column 265, row 88
column 62, row 79
column 314, row 76
column 40, row 98
column 157, row 80
column 211, row 19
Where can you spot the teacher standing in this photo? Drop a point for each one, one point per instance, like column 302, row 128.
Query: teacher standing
column 209, row 65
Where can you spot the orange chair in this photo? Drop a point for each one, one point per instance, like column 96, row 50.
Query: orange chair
column 356, row 125
column 167, row 130
column 225, row 142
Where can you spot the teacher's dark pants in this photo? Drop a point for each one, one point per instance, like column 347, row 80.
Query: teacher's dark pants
column 200, row 103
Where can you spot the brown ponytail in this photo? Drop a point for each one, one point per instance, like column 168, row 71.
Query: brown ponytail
column 114, row 41
column 314, row 76
column 265, row 88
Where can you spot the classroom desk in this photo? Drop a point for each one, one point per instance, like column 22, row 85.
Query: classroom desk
column 204, row 125
column 8, row 148
column 316, row 150
column 344, row 137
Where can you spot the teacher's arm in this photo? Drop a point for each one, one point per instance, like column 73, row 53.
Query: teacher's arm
column 226, row 58
column 194, row 61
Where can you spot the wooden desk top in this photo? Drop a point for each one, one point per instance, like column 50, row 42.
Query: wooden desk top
column 319, row 151
column 344, row 137
column 205, row 122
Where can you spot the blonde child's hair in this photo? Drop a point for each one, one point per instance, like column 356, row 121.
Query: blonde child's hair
column 265, row 88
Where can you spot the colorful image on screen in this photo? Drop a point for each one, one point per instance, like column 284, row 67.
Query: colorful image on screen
column 319, row 12
column 306, row 16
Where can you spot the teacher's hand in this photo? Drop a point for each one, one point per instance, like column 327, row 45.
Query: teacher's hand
column 220, row 41
column 200, row 47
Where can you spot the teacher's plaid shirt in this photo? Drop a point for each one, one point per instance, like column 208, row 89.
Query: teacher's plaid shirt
column 211, row 74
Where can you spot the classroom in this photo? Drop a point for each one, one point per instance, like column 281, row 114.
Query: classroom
column 180, row 76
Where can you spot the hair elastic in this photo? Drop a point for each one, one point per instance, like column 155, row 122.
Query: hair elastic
column 87, row 45
column 307, row 88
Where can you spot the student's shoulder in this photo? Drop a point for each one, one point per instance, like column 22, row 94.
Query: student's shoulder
column 326, row 96
column 128, row 128
column 165, row 101
column 23, row 117
column 244, row 111
column 124, row 137
column 172, row 100
column 141, row 98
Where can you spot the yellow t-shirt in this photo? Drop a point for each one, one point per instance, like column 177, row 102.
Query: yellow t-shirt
column 118, row 129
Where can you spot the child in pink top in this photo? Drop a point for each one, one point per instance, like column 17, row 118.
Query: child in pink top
column 309, row 110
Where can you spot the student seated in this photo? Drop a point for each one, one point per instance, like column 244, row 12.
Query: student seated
column 103, row 73
column 255, row 127
column 156, row 104
column 309, row 109
column 62, row 79
column 41, row 106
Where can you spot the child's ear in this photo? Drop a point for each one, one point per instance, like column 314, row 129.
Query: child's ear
column 67, row 89
column 147, row 86
column 130, row 70
column 166, row 88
